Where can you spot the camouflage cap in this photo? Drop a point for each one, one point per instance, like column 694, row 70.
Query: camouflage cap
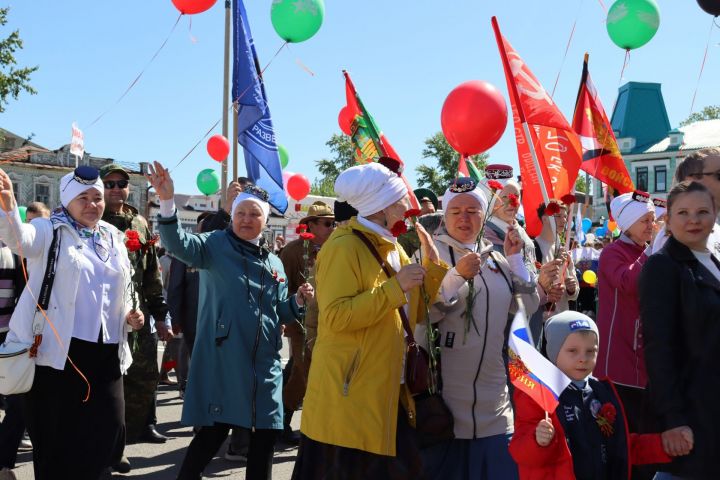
column 111, row 168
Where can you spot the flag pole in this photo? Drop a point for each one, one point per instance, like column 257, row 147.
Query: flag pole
column 226, row 99
column 236, row 145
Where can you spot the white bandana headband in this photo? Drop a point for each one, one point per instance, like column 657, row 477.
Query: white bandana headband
column 628, row 208
column 242, row 196
column 369, row 188
column 78, row 181
column 464, row 186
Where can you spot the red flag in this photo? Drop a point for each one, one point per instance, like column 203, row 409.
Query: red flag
column 369, row 141
column 601, row 155
column 556, row 145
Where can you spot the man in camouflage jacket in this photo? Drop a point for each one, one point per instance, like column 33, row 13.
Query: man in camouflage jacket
column 141, row 380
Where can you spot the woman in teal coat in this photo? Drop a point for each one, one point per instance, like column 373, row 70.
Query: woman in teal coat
column 235, row 375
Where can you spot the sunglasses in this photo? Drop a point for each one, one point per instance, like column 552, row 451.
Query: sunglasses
column 326, row 223
column 110, row 184
column 700, row 175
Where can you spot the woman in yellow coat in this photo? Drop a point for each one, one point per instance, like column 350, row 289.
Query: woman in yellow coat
column 357, row 414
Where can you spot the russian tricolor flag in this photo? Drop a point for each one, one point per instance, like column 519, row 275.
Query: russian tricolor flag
column 530, row 371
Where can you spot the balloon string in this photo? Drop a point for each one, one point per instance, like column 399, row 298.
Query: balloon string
column 134, row 82
column 625, row 64
column 603, row 6
column 21, row 257
column 302, row 65
column 192, row 37
column 233, row 106
column 567, row 48
column 702, row 66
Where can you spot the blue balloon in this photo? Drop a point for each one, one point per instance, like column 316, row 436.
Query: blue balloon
column 601, row 232
column 605, row 225
column 586, row 225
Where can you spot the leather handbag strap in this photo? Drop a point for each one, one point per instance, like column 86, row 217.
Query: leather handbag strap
column 389, row 273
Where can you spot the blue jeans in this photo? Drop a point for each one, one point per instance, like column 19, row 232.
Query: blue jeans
column 478, row 459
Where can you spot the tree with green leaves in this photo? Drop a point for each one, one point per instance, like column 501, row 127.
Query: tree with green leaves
column 445, row 159
column 12, row 80
column 581, row 184
column 344, row 157
column 711, row 112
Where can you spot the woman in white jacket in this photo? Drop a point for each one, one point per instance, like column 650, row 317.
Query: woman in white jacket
column 75, row 409
column 474, row 381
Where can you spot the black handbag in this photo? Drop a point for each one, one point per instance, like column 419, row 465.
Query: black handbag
column 434, row 422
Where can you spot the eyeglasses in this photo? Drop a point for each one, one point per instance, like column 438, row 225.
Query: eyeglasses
column 700, row 175
column 110, row 184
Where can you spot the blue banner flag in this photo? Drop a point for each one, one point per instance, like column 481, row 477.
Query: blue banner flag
column 255, row 128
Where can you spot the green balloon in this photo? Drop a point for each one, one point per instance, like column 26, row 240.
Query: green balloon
column 23, row 213
column 632, row 23
column 297, row 20
column 284, row 156
column 208, row 181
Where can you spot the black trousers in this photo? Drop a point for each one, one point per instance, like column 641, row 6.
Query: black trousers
column 208, row 440
column 11, row 430
column 637, row 405
column 73, row 438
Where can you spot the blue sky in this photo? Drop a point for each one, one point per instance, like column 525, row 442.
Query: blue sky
column 404, row 56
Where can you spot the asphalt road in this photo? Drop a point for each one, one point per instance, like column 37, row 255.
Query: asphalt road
column 162, row 461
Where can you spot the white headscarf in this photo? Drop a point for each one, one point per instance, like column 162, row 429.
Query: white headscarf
column 71, row 186
column 464, row 187
column 242, row 196
column 369, row 188
column 628, row 208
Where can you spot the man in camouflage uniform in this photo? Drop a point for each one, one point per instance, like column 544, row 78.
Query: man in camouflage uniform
column 141, row 381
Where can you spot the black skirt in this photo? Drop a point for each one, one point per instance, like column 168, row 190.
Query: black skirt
column 72, row 438
column 321, row 461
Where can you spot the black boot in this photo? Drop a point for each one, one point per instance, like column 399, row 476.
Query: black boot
column 289, row 437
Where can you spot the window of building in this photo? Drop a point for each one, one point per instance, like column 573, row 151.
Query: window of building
column 661, row 178
column 16, row 191
column 42, row 193
column 641, row 180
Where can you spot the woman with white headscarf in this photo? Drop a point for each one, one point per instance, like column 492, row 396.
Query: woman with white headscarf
column 621, row 354
column 235, row 376
column 75, row 409
column 472, row 348
column 358, row 413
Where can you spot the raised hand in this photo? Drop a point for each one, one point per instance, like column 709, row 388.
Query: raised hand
column 544, row 432
column 7, row 197
column 427, row 246
column 305, row 293
column 159, row 178
column 513, row 243
column 410, row 276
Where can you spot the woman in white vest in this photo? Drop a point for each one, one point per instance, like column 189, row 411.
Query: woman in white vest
column 75, row 408
column 474, row 381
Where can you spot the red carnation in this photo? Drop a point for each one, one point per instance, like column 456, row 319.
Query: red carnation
column 413, row 212
column 301, row 228
column 552, row 209
column 306, row 236
column 609, row 412
column 132, row 234
column 568, row 199
column 494, row 185
column 133, row 244
column 513, row 200
column 399, row 228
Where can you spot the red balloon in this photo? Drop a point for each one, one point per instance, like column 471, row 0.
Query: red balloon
column 190, row 7
column 218, row 148
column 473, row 117
column 345, row 120
column 298, row 186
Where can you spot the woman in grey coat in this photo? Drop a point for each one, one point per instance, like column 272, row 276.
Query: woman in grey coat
column 474, row 381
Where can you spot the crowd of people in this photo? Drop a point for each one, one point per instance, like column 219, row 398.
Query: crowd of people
column 365, row 304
